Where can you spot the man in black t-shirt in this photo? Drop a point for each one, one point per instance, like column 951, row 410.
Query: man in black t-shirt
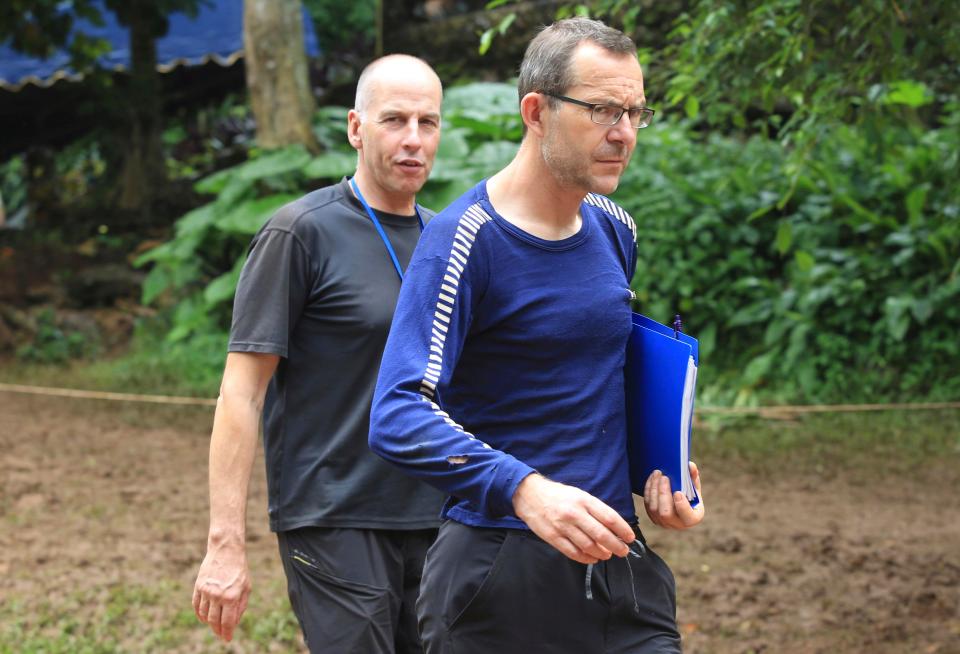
column 311, row 316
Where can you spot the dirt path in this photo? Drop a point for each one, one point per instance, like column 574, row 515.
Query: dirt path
column 103, row 508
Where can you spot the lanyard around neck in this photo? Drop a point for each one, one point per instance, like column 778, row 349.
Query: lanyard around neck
column 383, row 234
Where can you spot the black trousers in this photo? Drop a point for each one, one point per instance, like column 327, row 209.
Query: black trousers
column 505, row 591
column 354, row 590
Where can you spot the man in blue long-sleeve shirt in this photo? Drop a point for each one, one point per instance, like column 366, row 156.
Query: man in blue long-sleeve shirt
column 502, row 380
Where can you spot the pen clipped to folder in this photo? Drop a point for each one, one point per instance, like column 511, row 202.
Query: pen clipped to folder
column 660, row 380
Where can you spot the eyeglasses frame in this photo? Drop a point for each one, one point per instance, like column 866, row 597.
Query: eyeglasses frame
column 645, row 111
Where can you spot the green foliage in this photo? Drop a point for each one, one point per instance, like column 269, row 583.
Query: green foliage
column 194, row 142
column 77, row 169
column 186, row 367
column 801, row 61
column 851, row 288
column 623, row 14
column 486, row 39
column 340, row 26
column 55, row 344
column 836, row 278
column 481, row 128
column 13, row 185
column 189, row 367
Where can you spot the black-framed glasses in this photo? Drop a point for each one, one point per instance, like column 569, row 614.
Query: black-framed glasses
column 610, row 114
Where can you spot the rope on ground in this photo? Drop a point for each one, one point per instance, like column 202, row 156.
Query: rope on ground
column 785, row 411
column 775, row 411
column 104, row 395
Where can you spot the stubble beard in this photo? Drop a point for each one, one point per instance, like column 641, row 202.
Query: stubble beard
column 566, row 168
column 572, row 170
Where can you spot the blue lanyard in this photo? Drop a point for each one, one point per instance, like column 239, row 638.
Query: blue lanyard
column 383, row 234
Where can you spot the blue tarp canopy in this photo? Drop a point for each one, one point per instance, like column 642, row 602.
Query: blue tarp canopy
column 216, row 34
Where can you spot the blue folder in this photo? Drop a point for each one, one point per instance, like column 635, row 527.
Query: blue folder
column 660, row 374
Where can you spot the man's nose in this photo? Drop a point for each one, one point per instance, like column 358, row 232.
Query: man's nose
column 622, row 131
column 411, row 134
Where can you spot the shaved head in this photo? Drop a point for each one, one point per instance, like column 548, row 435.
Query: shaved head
column 389, row 68
column 395, row 128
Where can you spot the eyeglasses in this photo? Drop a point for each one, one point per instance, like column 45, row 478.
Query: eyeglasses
column 610, row 114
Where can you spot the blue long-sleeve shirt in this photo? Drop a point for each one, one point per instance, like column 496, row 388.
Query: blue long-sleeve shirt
column 506, row 356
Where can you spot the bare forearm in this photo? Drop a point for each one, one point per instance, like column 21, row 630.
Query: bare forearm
column 233, row 444
column 223, row 582
column 232, row 450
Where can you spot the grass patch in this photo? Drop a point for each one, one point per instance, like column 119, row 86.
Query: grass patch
column 150, row 364
column 826, row 442
column 141, row 618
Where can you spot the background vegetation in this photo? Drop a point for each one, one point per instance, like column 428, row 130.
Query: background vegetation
column 795, row 197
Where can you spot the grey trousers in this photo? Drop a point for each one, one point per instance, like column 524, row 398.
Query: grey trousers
column 354, row 590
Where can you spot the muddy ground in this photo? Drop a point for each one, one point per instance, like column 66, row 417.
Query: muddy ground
column 103, row 514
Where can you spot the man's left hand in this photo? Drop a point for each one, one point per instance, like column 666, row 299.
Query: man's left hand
column 672, row 511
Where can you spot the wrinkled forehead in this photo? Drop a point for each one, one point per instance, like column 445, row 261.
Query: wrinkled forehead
column 602, row 71
column 403, row 83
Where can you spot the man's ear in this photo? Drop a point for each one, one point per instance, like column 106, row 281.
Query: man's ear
column 533, row 106
column 353, row 129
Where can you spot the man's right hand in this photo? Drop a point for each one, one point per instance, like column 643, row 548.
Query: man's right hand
column 222, row 589
column 576, row 523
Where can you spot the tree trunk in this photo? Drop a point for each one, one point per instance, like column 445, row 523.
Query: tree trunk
column 276, row 67
column 143, row 174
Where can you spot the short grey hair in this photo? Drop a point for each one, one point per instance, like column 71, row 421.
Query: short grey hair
column 547, row 65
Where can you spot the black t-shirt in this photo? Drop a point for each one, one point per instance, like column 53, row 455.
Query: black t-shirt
column 319, row 289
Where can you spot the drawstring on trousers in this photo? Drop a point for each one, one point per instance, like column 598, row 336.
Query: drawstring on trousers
column 588, row 579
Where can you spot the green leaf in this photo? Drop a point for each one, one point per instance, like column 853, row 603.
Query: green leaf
column 492, row 156
column 174, row 135
column 708, row 340
column 760, row 212
column 897, row 316
column 755, row 313
column 453, row 143
column 225, row 286
column 180, row 249
column 249, row 216
column 692, row 107
column 189, row 317
column 776, row 329
column 155, row 283
column 506, row 22
column 196, row 221
column 236, row 191
column 269, row 164
column 486, row 39
column 916, row 199
column 805, row 261
column 909, row 93
column 480, row 100
column 276, row 162
column 331, row 165
column 213, row 184
column 437, row 195
column 922, row 310
column 758, row 368
column 784, row 237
